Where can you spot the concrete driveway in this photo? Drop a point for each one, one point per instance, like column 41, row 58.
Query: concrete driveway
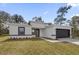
column 74, row 41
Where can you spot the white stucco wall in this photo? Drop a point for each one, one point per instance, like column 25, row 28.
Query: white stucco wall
column 13, row 29
column 42, row 32
column 28, row 30
column 45, row 31
column 50, row 31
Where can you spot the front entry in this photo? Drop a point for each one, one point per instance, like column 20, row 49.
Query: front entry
column 36, row 32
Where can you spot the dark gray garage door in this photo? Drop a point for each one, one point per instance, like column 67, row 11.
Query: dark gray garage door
column 62, row 33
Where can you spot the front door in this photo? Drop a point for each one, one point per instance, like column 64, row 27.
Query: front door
column 21, row 30
column 36, row 32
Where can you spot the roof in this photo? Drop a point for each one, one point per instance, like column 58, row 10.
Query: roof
column 35, row 24
column 59, row 26
column 18, row 24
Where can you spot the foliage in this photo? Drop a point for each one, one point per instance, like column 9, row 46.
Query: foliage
column 37, row 19
column 6, row 17
column 17, row 18
column 1, row 28
column 75, row 23
column 69, row 22
column 59, row 20
column 61, row 13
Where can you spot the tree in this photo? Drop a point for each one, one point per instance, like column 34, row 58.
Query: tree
column 39, row 19
column 69, row 22
column 20, row 18
column 17, row 18
column 1, row 28
column 75, row 23
column 59, row 20
column 61, row 13
column 4, row 17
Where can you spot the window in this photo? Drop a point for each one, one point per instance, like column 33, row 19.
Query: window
column 21, row 30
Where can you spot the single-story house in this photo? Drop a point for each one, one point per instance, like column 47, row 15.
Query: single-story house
column 38, row 29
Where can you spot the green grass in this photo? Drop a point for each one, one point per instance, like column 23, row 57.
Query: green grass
column 35, row 46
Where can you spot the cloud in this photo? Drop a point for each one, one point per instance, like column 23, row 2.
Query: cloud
column 46, row 12
column 74, row 15
column 71, row 1
column 73, row 4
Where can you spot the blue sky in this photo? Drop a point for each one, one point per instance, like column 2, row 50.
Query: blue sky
column 46, row 10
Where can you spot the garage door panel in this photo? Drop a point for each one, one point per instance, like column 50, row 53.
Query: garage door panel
column 62, row 33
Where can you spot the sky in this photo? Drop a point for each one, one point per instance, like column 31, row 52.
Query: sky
column 48, row 11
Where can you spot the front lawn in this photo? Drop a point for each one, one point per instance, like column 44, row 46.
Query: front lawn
column 35, row 46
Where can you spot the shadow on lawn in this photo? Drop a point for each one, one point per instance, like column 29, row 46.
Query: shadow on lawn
column 24, row 39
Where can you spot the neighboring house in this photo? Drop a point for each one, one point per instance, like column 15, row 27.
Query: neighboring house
column 38, row 29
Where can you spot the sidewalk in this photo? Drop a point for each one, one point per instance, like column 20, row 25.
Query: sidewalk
column 51, row 40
